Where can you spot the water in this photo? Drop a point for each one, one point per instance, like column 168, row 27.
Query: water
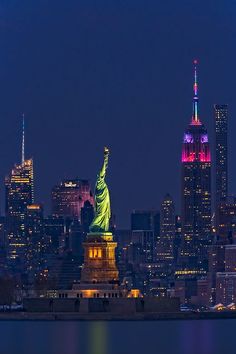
column 167, row 337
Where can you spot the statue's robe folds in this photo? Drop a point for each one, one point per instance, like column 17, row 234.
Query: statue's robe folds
column 102, row 216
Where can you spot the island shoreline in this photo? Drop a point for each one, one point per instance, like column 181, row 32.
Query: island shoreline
column 68, row 316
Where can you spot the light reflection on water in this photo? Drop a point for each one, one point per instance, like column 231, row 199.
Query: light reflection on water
column 98, row 339
column 160, row 337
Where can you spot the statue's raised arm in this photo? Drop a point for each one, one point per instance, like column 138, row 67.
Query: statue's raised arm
column 102, row 216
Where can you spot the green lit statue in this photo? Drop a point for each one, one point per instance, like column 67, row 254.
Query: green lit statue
column 102, row 216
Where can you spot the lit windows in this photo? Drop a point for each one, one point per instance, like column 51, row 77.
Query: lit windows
column 95, row 253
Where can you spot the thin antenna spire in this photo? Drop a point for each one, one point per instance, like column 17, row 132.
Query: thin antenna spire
column 23, row 140
column 195, row 117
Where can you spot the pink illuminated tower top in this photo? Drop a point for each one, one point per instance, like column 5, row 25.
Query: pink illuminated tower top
column 195, row 144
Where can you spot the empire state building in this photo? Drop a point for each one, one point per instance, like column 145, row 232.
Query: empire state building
column 195, row 190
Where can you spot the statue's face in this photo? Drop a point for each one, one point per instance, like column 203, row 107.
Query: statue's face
column 106, row 150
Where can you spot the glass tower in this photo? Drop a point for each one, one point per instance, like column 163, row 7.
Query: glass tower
column 19, row 186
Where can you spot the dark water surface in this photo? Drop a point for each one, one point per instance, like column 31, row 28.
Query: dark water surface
column 167, row 337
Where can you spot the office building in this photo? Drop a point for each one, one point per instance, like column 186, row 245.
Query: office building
column 216, row 264
column 19, row 186
column 226, row 217
column 165, row 243
column 69, row 197
column 36, row 240
column 230, row 258
column 54, row 229
column 221, row 152
column 226, row 288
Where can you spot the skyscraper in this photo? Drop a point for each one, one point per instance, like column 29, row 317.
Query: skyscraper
column 87, row 215
column 145, row 226
column 221, row 146
column 226, row 218
column 36, row 240
column 216, row 263
column 196, row 187
column 19, row 185
column 165, row 243
column 146, row 220
column 69, row 197
column 221, row 156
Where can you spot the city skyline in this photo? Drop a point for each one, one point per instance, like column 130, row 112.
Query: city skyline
column 67, row 96
column 48, row 204
column 163, row 254
column 195, row 121
column 117, row 178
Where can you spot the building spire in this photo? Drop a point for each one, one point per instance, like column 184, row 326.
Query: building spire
column 23, row 140
column 195, row 117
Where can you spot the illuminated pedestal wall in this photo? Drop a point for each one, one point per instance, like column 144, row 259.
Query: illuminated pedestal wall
column 99, row 259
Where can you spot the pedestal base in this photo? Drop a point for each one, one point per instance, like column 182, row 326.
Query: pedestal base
column 99, row 259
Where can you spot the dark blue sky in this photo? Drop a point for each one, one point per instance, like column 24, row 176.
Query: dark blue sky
column 119, row 73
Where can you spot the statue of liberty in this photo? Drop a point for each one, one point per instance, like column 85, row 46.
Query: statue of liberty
column 100, row 223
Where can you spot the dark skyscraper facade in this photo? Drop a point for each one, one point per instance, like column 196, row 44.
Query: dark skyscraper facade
column 221, row 158
column 36, row 242
column 226, row 217
column 196, row 187
column 145, row 227
column 69, row 197
column 146, row 220
column 165, row 243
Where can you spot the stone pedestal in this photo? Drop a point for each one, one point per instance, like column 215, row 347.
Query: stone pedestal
column 99, row 259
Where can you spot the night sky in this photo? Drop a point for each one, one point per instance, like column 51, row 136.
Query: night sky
column 118, row 73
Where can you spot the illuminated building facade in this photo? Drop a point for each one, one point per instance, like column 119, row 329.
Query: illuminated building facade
column 144, row 242
column 216, row 263
column 123, row 238
column 3, row 244
column 69, row 197
column 196, row 188
column 230, row 258
column 221, row 153
column 222, row 274
column 226, row 216
column 225, row 288
column 165, row 243
column 19, row 186
column 34, row 225
column 177, row 240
